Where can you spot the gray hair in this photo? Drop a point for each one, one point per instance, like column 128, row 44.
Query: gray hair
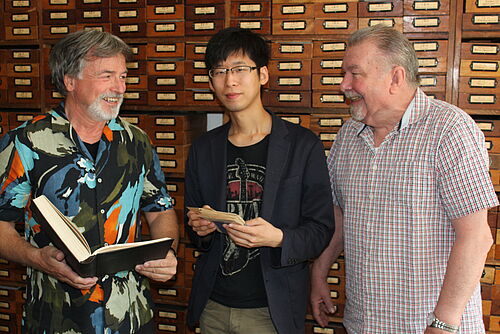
column 69, row 55
column 394, row 46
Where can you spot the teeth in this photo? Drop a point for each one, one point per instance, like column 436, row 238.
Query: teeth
column 112, row 99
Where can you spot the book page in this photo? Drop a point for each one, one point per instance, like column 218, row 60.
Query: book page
column 112, row 248
column 67, row 233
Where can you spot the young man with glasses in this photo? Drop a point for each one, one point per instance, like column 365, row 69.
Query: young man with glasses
column 253, row 278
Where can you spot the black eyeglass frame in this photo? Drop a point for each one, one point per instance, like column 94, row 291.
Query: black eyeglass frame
column 232, row 69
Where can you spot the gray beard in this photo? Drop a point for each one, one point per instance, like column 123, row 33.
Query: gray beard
column 99, row 114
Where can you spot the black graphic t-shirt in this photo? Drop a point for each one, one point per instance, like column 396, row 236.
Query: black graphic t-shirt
column 239, row 281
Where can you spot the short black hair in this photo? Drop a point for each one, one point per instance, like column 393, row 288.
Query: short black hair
column 234, row 40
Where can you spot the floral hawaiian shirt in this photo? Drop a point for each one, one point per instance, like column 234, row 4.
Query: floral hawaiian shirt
column 102, row 196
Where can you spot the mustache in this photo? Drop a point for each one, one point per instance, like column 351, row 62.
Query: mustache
column 352, row 95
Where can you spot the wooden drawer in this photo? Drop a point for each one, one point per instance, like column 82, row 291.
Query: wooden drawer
column 380, row 8
column 135, row 97
column 426, row 24
column 128, row 15
column 137, row 82
column 481, row 68
column 136, row 119
column 21, row 32
column 240, row 9
column 52, row 97
column 339, row 9
column 125, row 30
column 208, row 27
column 492, row 144
column 329, row 99
column 287, row 98
column 165, row 12
column 166, row 83
column 94, row 15
column 283, row 82
column 326, row 81
column 167, row 98
column 331, row 328
column 481, row 22
column 23, row 69
column 165, row 29
column 479, row 101
column 57, row 31
column 345, row 25
column 292, row 27
column 177, row 188
column 201, row 98
column 3, row 82
column 138, row 51
column 479, row 85
column 167, row 314
column 88, row 4
column 21, row 6
column 170, row 137
column 291, row 50
column 172, row 165
column 335, row 49
column 165, row 50
column 289, row 67
column 327, row 66
column 196, row 81
column 480, row 51
column 94, row 26
column 426, row 48
column 173, row 158
column 490, row 127
column 204, row 12
column 436, row 64
column 56, row 4
column 137, row 67
column 178, row 123
column 426, row 7
column 293, row 11
column 23, row 83
column 196, row 67
column 24, row 18
column 393, row 22
column 195, row 50
column 55, row 17
column 21, row 56
column 128, row 3
column 482, row 6
column 433, row 83
column 302, row 120
column 165, row 295
column 327, row 122
column 437, row 95
column 165, row 67
column 259, row 26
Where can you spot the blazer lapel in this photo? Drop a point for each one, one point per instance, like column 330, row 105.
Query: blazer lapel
column 218, row 148
column 277, row 157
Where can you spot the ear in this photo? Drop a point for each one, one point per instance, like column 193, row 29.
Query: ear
column 398, row 79
column 69, row 83
column 211, row 85
column 263, row 75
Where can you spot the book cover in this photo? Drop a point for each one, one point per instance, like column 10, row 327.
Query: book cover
column 104, row 260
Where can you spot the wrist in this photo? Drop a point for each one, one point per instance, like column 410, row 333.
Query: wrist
column 434, row 322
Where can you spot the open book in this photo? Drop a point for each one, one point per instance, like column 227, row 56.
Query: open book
column 219, row 218
column 104, row 260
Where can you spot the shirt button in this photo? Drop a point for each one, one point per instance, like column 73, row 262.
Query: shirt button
column 102, row 211
column 99, row 180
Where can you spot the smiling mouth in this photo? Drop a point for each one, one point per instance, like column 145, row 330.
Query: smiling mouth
column 110, row 99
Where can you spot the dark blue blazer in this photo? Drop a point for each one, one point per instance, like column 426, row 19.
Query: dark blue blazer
column 297, row 199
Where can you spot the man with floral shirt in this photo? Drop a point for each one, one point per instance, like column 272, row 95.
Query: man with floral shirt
column 98, row 170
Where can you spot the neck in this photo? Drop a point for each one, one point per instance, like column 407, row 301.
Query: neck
column 88, row 129
column 248, row 128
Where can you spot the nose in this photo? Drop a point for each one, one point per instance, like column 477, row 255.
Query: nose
column 345, row 84
column 120, row 85
column 230, row 79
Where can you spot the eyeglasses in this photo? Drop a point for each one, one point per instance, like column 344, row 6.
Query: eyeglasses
column 241, row 70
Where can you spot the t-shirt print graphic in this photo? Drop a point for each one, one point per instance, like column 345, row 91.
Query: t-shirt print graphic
column 244, row 197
